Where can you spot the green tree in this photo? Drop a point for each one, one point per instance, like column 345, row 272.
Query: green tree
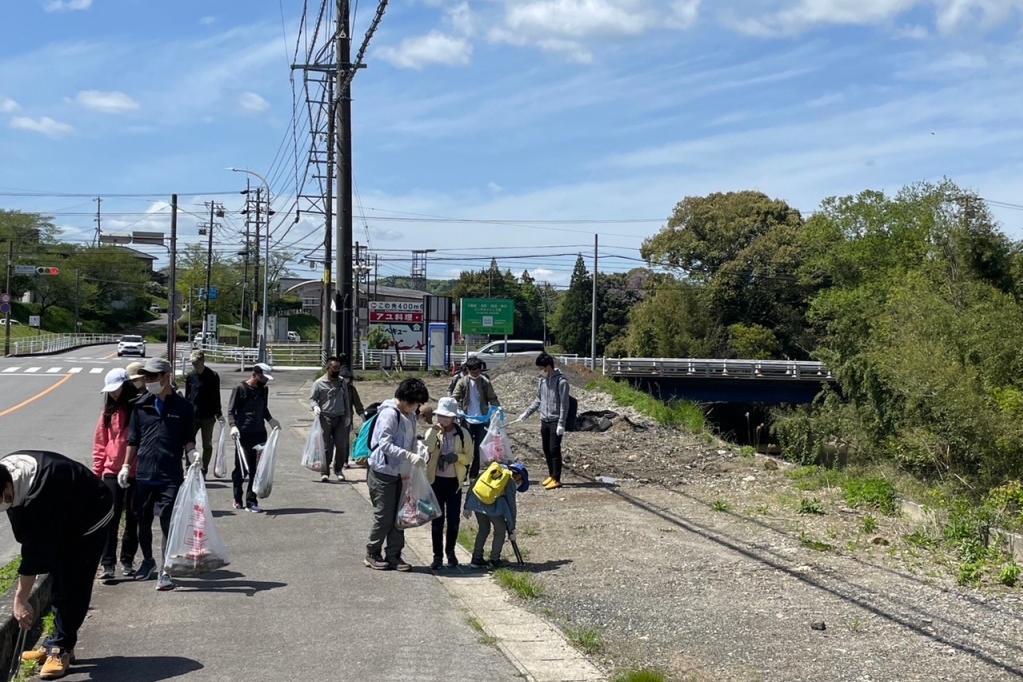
column 572, row 322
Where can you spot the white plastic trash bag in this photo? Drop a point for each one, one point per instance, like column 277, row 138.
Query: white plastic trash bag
column 418, row 504
column 194, row 546
column 496, row 446
column 263, row 482
column 314, row 455
column 220, row 457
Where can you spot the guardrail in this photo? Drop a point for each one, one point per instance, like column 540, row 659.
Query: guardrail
column 793, row 370
column 55, row 343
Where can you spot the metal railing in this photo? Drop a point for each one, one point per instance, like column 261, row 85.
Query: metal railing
column 55, row 343
column 794, row 370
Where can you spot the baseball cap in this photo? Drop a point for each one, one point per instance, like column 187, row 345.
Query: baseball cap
column 114, row 379
column 264, row 369
column 134, row 370
column 520, row 469
column 156, row 366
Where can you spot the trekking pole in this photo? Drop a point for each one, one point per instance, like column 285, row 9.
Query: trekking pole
column 16, row 654
column 518, row 554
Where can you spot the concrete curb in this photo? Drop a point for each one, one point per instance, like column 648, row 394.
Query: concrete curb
column 40, row 600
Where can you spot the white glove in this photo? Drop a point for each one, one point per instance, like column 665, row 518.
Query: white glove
column 235, row 433
column 512, row 537
column 122, row 477
column 522, row 418
column 560, row 431
column 274, row 424
column 220, row 420
column 418, row 459
column 192, row 456
column 317, row 410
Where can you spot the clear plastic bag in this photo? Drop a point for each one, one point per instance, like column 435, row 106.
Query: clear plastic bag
column 220, row 456
column 418, row 504
column 496, row 446
column 263, row 481
column 314, row 456
column 194, row 546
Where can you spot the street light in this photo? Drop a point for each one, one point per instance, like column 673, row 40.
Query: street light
column 261, row 353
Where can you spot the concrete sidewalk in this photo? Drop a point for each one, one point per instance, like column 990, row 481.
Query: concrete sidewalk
column 296, row 603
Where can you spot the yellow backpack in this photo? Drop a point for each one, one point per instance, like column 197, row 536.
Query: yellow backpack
column 492, row 482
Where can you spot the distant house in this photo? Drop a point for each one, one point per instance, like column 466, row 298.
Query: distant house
column 141, row 256
column 309, row 291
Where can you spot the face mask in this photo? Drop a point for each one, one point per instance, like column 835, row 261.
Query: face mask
column 156, row 388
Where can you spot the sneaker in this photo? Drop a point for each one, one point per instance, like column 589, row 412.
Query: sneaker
column 254, row 508
column 479, row 562
column 127, row 570
column 106, row 573
column 37, row 655
column 546, row 481
column 437, row 564
column 56, row 666
column 340, row 476
column 376, row 563
column 452, row 560
column 400, row 564
column 146, row 569
column 325, row 478
column 497, row 563
column 552, row 485
column 164, row 583
column 237, row 505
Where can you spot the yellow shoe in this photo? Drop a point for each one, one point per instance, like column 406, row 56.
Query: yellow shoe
column 553, row 485
column 546, row 481
column 56, row 666
column 37, row 655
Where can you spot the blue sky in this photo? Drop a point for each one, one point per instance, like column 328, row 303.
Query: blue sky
column 514, row 109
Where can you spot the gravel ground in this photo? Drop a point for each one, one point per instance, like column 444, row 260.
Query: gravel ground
column 697, row 562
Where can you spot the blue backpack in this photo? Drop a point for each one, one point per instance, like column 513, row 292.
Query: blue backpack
column 363, row 447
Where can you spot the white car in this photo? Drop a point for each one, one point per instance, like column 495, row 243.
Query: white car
column 14, row 323
column 293, row 337
column 131, row 345
column 493, row 354
column 201, row 340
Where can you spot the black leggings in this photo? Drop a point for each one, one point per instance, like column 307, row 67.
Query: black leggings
column 449, row 495
column 551, row 448
column 124, row 504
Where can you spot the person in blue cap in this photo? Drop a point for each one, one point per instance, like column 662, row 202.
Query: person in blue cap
column 501, row 515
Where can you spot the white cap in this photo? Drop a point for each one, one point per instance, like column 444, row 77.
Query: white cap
column 114, row 379
column 265, row 369
column 447, row 407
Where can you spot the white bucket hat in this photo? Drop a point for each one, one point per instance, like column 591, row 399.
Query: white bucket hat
column 114, row 379
column 447, row 407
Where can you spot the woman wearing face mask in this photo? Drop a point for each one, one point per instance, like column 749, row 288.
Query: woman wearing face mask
column 59, row 512
column 450, row 449
column 109, row 447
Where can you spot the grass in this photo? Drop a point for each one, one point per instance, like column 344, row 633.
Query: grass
column 484, row 638
column 811, row 506
column 644, row 675
column 869, row 525
column 815, row 545
column 721, row 506
column 587, row 640
column 1009, row 575
column 522, row 584
column 921, row 539
column 467, row 538
column 859, row 491
column 9, row 575
column 676, row 413
column 747, row 451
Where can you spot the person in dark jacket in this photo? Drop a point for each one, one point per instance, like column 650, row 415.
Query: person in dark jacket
column 335, row 402
column 246, row 413
column 159, row 433
column 202, row 389
column 59, row 513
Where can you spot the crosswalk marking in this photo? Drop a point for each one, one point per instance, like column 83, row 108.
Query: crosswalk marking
column 95, row 370
column 53, row 370
column 32, row 370
column 74, row 370
column 11, row 369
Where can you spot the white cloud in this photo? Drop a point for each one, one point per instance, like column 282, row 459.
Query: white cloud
column 433, row 48
column 494, row 187
column 67, row 5
column 43, row 125
column 8, row 105
column 208, row 21
column 684, row 13
column 113, row 102
column 250, row 101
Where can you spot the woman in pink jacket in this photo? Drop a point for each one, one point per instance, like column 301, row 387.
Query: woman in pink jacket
column 108, row 450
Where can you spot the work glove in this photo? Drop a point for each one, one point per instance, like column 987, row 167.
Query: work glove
column 522, row 418
column 235, row 433
column 512, row 536
column 317, row 410
column 192, row 456
column 122, row 477
column 448, row 459
column 561, row 431
column 274, row 424
column 466, row 513
column 418, row 459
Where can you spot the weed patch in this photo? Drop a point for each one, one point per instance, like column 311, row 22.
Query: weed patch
column 721, row 506
column 1009, row 575
column 873, row 493
column 640, row 676
column 9, row 575
column 587, row 640
column 484, row 638
column 522, row 584
column 815, row 545
column 811, row 506
column 868, row 525
column 676, row 413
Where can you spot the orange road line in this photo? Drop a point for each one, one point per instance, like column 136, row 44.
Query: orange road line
column 107, row 357
column 36, row 397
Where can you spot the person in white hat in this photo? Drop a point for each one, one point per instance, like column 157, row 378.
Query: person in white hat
column 246, row 413
column 109, row 447
column 451, row 455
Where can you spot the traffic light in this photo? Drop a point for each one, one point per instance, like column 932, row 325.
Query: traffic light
column 48, row 271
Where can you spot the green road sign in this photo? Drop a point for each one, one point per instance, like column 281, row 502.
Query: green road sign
column 487, row 316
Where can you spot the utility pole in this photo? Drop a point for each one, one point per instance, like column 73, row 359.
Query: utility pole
column 343, row 299
column 245, row 259
column 99, row 220
column 78, row 285
column 328, row 223
column 171, row 322
column 593, row 322
column 7, row 289
column 219, row 211
column 255, row 278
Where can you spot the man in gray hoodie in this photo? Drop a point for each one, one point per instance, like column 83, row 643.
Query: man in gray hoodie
column 552, row 401
column 393, row 440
